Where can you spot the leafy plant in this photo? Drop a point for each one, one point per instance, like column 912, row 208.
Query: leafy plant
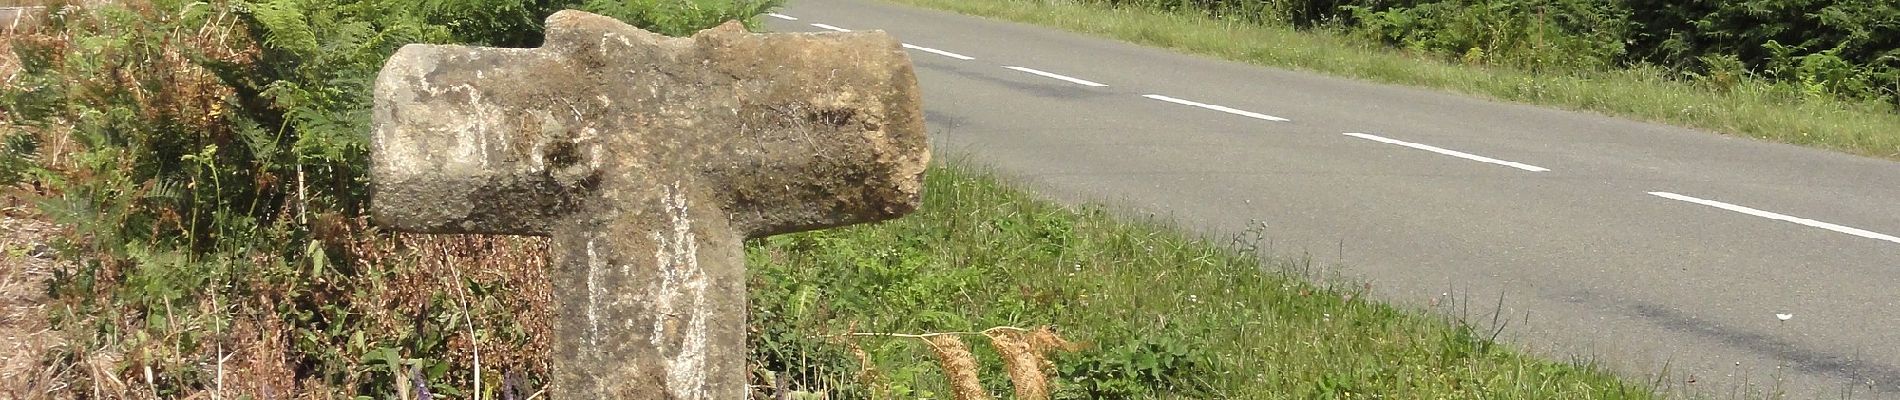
column 1141, row 367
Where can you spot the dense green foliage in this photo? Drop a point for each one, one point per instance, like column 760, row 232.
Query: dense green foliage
column 210, row 160
column 1845, row 48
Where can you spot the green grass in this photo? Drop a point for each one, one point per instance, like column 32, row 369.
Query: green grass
column 1748, row 107
column 1165, row 315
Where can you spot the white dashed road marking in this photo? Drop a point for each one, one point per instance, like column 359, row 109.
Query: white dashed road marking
column 1453, row 153
column 938, row 52
column 1050, row 75
column 783, row 17
column 1225, row 109
column 830, row 28
column 1780, row 217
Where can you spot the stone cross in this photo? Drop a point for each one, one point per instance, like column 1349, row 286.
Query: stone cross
column 649, row 160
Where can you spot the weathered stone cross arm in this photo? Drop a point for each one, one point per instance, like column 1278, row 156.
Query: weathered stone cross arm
column 777, row 122
column 649, row 160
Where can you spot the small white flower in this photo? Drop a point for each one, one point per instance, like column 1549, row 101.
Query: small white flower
column 1784, row 317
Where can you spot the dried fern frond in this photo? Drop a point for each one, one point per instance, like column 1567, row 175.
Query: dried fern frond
column 867, row 370
column 1044, row 340
column 1025, row 355
column 1024, row 363
column 959, row 365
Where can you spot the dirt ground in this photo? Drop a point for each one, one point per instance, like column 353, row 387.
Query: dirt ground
column 26, row 263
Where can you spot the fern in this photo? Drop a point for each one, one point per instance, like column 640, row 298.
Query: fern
column 284, row 26
column 18, row 156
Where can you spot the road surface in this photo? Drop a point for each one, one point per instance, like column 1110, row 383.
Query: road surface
column 1649, row 248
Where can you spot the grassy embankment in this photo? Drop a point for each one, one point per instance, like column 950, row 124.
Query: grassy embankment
column 1734, row 105
column 1167, row 316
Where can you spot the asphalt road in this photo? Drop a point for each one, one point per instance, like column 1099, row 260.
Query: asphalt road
column 1648, row 248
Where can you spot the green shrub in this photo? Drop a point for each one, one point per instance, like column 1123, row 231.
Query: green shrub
column 1142, row 368
column 1566, row 35
column 1850, row 48
column 1840, row 48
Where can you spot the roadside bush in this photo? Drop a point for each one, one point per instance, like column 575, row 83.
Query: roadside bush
column 1564, row 35
column 1846, row 49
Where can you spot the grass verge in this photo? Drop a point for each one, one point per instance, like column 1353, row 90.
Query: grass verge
column 1741, row 106
column 1158, row 314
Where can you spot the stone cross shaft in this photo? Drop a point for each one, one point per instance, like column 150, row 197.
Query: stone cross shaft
column 649, row 160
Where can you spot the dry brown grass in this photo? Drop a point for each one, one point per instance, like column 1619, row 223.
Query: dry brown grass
column 1045, row 340
column 9, row 63
column 419, row 268
column 19, row 17
column 255, row 357
column 259, row 360
column 26, row 337
column 959, row 365
column 1025, row 354
column 517, row 264
column 1023, row 362
column 867, row 368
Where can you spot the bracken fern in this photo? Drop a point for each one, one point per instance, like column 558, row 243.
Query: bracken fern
column 209, row 160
